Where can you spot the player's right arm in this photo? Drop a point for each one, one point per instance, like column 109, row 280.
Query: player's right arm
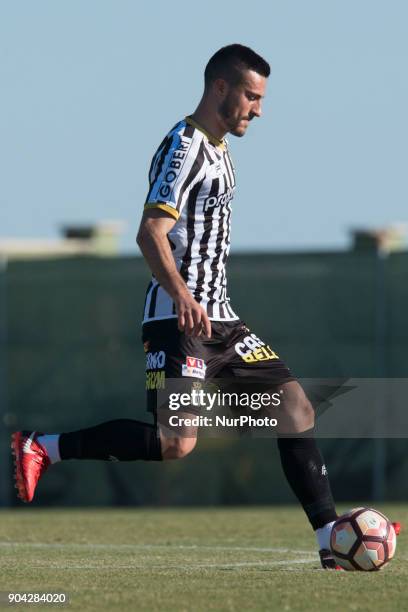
column 154, row 244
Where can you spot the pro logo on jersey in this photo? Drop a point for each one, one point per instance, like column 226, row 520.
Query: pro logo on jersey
column 214, row 201
column 251, row 349
column 194, row 368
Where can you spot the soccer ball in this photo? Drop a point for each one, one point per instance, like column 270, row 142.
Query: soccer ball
column 363, row 539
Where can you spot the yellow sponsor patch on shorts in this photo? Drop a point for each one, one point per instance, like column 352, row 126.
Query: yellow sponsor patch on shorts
column 155, row 379
column 251, row 349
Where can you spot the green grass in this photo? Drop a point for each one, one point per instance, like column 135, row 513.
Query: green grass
column 188, row 560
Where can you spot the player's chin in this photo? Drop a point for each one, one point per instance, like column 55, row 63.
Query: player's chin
column 239, row 130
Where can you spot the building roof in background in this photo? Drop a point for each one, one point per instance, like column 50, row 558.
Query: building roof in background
column 101, row 239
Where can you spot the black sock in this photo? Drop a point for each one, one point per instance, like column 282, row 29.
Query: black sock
column 306, row 473
column 122, row 440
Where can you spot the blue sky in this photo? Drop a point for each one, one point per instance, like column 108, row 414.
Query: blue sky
column 90, row 87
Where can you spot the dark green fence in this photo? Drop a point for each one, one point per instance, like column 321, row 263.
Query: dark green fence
column 72, row 357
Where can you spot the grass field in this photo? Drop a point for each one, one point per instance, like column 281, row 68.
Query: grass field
column 188, row 560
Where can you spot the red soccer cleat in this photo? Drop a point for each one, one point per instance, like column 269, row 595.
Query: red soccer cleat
column 397, row 528
column 30, row 460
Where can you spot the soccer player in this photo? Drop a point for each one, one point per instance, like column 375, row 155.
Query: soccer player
column 190, row 331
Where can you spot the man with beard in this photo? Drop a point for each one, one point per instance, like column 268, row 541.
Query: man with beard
column 190, row 332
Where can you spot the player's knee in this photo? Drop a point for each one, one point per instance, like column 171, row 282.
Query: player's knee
column 177, row 447
column 302, row 408
column 295, row 405
column 306, row 412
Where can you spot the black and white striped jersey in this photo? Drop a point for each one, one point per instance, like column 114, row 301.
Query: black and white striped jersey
column 192, row 178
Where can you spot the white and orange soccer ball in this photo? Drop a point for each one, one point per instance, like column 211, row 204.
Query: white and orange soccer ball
column 363, row 539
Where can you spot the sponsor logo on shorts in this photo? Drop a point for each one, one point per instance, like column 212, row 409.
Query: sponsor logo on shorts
column 194, row 368
column 155, row 361
column 196, row 386
column 251, row 349
column 155, row 375
column 155, row 379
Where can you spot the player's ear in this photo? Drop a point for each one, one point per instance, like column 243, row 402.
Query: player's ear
column 220, row 87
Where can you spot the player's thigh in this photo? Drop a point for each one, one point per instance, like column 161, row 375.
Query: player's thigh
column 175, row 366
column 259, row 371
column 250, row 358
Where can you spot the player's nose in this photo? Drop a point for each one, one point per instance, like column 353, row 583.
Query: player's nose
column 257, row 109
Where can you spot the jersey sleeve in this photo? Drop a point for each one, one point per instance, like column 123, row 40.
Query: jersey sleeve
column 176, row 167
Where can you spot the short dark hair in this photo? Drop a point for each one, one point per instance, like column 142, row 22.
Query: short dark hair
column 229, row 62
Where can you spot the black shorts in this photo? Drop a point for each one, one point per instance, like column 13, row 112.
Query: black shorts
column 232, row 354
